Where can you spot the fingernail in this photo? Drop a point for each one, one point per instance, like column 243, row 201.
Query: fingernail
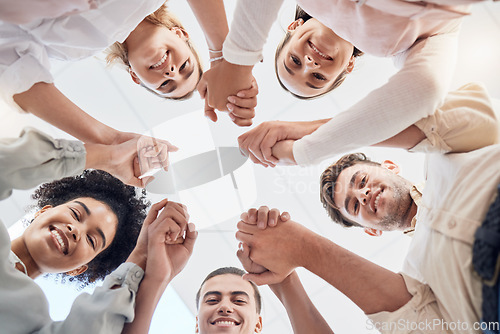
column 240, row 94
column 261, row 225
column 191, row 227
column 231, row 99
column 229, row 107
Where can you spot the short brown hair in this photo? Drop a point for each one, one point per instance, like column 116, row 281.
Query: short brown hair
column 118, row 53
column 301, row 14
column 231, row 271
column 329, row 179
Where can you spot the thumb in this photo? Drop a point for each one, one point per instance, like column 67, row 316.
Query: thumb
column 191, row 235
column 202, row 87
column 267, row 277
column 172, row 147
column 210, row 112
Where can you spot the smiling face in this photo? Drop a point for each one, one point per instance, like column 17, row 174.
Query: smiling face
column 227, row 305
column 161, row 60
column 374, row 197
column 70, row 235
column 313, row 58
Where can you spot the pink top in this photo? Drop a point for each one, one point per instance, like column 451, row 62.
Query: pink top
column 397, row 24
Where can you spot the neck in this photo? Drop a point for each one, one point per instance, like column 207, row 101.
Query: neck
column 412, row 212
column 18, row 246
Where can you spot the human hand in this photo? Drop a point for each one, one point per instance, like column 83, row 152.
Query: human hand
column 241, row 107
column 258, row 142
column 221, row 81
column 277, row 249
column 161, row 249
column 129, row 157
column 243, row 255
column 283, row 151
column 264, row 217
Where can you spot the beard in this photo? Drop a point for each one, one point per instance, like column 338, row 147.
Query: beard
column 398, row 208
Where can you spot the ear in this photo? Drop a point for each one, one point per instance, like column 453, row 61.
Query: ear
column 196, row 330
column 78, row 271
column 388, row 164
column 350, row 65
column 295, row 24
column 134, row 76
column 180, row 33
column 373, row 232
column 42, row 210
column 258, row 325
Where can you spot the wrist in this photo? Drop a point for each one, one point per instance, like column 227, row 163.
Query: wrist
column 96, row 154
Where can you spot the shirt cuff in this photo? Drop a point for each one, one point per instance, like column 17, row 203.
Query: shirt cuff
column 127, row 274
column 235, row 55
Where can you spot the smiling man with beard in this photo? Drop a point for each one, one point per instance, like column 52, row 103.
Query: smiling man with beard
column 356, row 191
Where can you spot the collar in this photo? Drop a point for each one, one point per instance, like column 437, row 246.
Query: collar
column 416, row 192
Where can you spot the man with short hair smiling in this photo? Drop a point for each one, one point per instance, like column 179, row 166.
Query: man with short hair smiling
column 458, row 211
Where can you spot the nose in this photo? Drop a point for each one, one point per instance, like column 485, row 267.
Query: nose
column 310, row 62
column 73, row 232
column 224, row 308
column 170, row 71
column 364, row 195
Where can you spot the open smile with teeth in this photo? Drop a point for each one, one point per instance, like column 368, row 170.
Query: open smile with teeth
column 318, row 52
column 161, row 61
column 60, row 239
column 225, row 323
column 376, row 201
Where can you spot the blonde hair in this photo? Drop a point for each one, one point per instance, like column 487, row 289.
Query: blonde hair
column 118, row 53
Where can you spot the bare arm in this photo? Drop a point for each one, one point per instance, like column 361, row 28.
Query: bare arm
column 47, row 102
column 289, row 245
column 211, row 16
column 303, row 315
column 163, row 252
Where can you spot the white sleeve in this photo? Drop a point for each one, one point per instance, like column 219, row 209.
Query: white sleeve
column 251, row 23
column 107, row 309
column 413, row 93
column 34, row 158
column 23, row 62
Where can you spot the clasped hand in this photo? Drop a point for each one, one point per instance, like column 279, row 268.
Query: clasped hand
column 231, row 88
column 166, row 241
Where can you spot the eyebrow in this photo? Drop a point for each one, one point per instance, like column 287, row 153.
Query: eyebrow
column 99, row 230
column 233, row 293
column 351, row 184
column 312, row 86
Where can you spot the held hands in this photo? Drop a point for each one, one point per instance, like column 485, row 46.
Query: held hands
column 162, row 250
column 130, row 156
column 259, row 142
column 225, row 87
column 266, row 253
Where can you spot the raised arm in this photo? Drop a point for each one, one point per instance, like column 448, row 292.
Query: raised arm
column 413, row 93
column 303, row 315
column 163, row 252
column 290, row 245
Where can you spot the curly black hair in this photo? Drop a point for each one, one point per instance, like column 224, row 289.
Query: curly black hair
column 129, row 206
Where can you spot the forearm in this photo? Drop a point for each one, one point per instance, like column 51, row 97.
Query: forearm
column 211, row 16
column 303, row 315
column 406, row 139
column 47, row 102
column 251, row 23
column 413, row 93
column 148, row 296
column 371, row 287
